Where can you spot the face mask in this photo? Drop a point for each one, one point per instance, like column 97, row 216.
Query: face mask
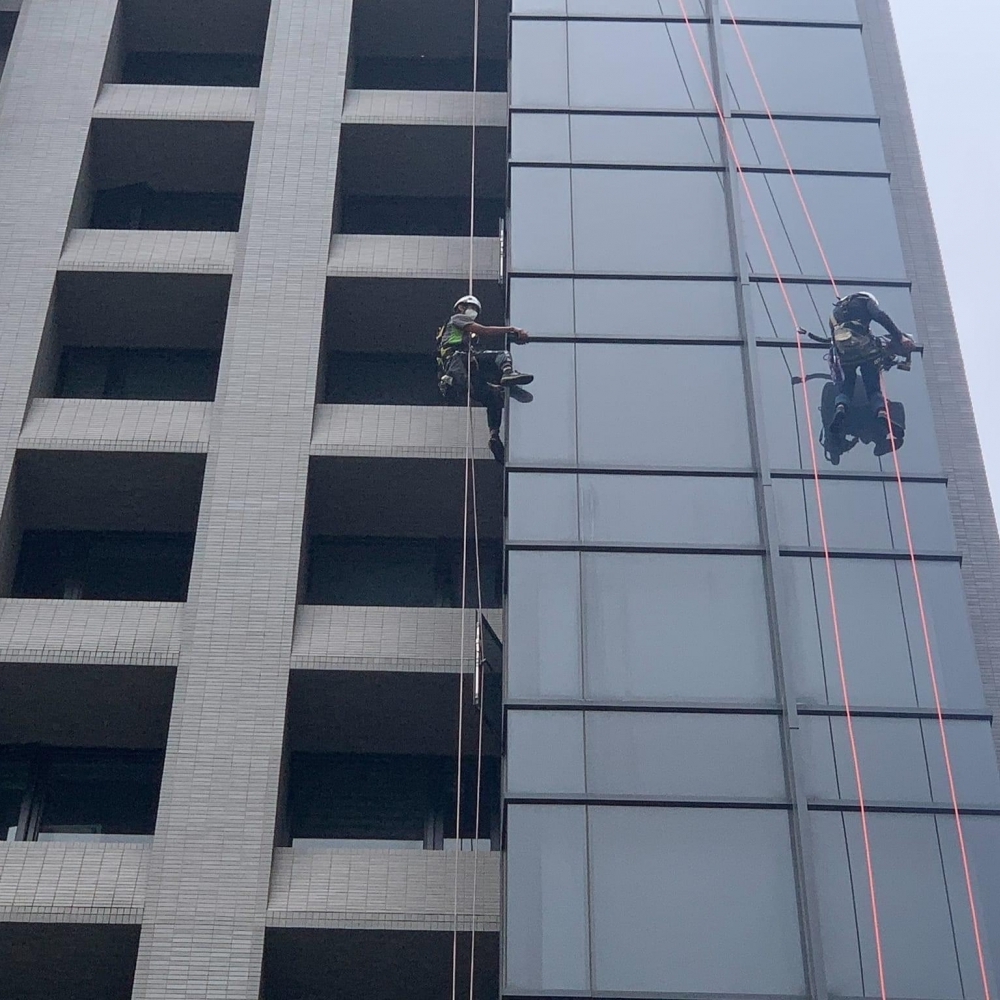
column 471, row 313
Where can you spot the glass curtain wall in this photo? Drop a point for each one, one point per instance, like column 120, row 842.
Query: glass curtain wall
column 682, row 810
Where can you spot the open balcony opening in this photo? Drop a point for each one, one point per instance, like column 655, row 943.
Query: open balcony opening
column 413, row 45
column 103, row 526
column 378, row 338
column 165, row 175
column 372, row 764
column 136, row 336
column 208, row 44
column 67, row 961
column 8, row 19
column 389, row 964
column 389, row 534
column 409, row 180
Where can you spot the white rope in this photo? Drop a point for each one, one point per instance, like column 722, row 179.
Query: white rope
column 475, row 109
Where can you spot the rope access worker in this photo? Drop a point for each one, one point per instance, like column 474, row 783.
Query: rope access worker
column 855, row 348
column 492, row 371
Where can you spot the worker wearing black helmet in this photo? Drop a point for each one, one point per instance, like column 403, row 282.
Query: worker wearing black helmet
column 492, row 371
column 854, row 348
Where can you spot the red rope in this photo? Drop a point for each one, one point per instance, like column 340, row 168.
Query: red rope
column 906, row 522
column 819, row 499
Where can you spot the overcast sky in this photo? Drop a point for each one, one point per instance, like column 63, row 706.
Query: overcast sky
column 953, row 74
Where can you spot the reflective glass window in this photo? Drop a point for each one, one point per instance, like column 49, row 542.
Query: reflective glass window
column 633, row 65
column 634, row 8
column 915, row 918
column 538, row 68
column 863, row 445
column 652, row 628
column 539, row 138
column 623, row 309
column 864, row 514
column 544, row 753
column 543, row 431
column 543, row 625
column 810, row 145
column 667, row 510
column 541, row 229
column 813, row 304
column 853, row 216
column 973, row 761
column 543, row 507
column 639, row 139
column 546, row 902
column 693, row 901
column 801, row 70
column 673, row 754
column 793, row 10
column 648, row 222
column 538, row 6
column 637, row 406
column 880, row 630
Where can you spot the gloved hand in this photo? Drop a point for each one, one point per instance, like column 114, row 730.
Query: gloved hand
column 520, row 336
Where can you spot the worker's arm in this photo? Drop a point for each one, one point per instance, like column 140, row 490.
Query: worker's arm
column 519, row 335
column 898, row 340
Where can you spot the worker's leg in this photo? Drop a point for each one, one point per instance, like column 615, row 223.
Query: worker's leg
column 845, row 393
column 492, row 397
column 871, row 377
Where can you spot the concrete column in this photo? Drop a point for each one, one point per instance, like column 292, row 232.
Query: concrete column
column 203, row 929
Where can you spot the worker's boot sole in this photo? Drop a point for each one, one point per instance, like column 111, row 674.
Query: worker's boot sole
column 516, row 378
column 837, row 423
column 496, row 446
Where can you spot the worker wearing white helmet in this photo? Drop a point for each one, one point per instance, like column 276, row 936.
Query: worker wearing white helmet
column 492, row 371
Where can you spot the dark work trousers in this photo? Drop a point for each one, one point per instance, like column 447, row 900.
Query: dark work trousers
column 870, row 377
column 487, row 368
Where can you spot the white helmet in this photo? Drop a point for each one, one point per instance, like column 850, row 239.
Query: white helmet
column 844, row 299
column 468, row 302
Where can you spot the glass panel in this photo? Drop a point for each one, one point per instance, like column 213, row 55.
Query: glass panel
column 693, row 901
column 613, row 307
column 539, row 138
column 546, row 905
column 792, row 10
column 810, row 145
column 543, row 625
column 880, row 630
column 801, row 70
column 544, row 431
column 918, row 943
column 635, row 8
column 543, row 306
column 982, row 834
column 14, row 780
column 854, row 218
column 863, row 445
column 973, row 761
column 620, row 220
column 544, row 752
column 541, row 227
column 813, row 305
column 667, row 510
column 863, row 514
column 676, row 755
column 542, row 507
column 538, row 71
column 635, row 399
column 651, row 628
column 637, row 139
column 632, row 65
column 538, row 6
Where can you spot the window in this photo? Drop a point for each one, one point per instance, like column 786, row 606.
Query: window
column 810, row 145
column 136, row 373
column 801, row 70
column 796, row 10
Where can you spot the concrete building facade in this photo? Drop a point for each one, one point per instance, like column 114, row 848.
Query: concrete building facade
column 232, row 691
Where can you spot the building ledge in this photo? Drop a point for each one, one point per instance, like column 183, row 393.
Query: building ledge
column 367, row 256
column 72, row 883
column 133, row 100
column 424, row 107
column 421, row 640
column 134, row 633
column 383, row 890
column 349, row 429
column 168, row 251
column 116, row 425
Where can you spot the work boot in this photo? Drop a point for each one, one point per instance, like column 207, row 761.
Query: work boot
column 511, row 376
column 891, row 430
column 496, row 446
column 839, row 416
